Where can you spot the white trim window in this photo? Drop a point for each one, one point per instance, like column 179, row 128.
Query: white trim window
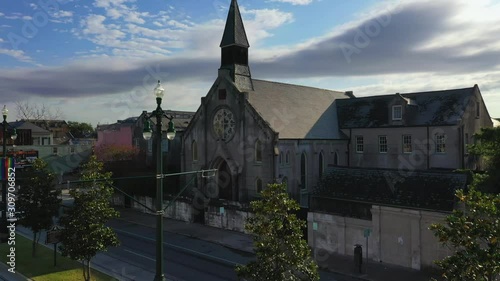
column 407, row 147
column 441, row 143
column 382, row 144
column 359, row 144
column 397, row 112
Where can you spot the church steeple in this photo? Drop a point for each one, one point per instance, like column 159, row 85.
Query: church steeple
column 234, row 49
column 234, row 32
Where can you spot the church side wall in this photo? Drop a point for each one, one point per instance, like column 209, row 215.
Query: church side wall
column 334, row 152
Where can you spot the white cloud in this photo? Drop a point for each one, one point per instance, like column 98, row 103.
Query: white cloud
column 17, row 54
column 295, row 2
column 117, row 9
column 62, row 14
column 259, row 22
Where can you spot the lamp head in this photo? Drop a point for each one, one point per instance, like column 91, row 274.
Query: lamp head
column 14, row 135
column 5, row 111
column 146, row 133
column 159, row 91
column 170, row 130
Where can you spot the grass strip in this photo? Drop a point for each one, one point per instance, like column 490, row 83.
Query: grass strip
column 41, row 267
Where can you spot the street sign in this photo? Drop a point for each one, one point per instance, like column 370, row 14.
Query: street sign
column 221, row 210
column 367, row 233
column 53, row 235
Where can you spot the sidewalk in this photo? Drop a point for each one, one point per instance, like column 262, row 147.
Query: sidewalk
column 112, row 266
column 8, row 276
column 340, row 264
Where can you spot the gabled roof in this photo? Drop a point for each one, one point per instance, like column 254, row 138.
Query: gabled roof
column 30, row 126
column 181, row 119
column 420, row 189
column 297, row 112
column 47, row 124
column 234, row 32
column 432, row 108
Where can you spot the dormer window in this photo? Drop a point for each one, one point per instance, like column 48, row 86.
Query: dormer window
column 397, row 112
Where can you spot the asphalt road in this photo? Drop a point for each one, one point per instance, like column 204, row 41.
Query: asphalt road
column 186, row 258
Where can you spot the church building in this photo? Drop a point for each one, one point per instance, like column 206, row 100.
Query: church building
column 256, row 132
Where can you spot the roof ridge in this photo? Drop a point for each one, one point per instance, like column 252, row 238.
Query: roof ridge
column 296, row 85
column 410, row 93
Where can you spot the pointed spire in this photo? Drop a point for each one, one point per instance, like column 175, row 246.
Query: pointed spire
column 234, row 32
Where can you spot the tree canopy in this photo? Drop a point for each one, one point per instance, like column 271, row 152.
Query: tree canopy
column 487, row 146
column 81, row 129
column 282, row 253
column 85, row 232
column 38, row 200
column 473, row 231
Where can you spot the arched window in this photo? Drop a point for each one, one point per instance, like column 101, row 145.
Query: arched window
column 303, row 171
column 321, row 165
column 258, row 185
column 194, row 150
column 258, row 151
column 336, row 159
column 287, row 157
column 281, row 158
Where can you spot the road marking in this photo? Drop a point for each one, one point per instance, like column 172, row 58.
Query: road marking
column 137, row 254
column 182, row 248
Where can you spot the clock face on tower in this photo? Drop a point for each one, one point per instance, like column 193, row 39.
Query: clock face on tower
column 224, row 124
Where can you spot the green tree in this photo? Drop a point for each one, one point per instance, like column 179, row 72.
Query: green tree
column 85, row 232
column 487, row 146
column 81, row 130
column 473, row 233
column 281, row 252
column 37, row 200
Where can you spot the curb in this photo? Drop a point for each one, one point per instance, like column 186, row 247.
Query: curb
column 190, row 236
column 92, row 265
column 16, row 273
column 237, row 249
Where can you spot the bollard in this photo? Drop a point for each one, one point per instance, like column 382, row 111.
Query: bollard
column 358, row 257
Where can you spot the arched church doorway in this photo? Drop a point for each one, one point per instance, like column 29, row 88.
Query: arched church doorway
column 224, row 181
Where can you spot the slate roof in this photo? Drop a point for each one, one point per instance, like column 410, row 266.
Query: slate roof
column 234, row 32
column 47, row 124
column 297, row 112
column 419, row 189
column 30, row 126
column 181, row 119
column 432, row 108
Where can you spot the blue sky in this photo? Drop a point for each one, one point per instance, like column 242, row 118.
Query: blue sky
column 97, row 61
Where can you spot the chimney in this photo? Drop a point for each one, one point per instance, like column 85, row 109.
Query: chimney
column 350, row 94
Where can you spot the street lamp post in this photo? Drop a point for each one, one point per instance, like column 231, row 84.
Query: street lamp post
column 4, row 230
column 159, row 114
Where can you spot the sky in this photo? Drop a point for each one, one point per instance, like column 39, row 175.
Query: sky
column 98, row 61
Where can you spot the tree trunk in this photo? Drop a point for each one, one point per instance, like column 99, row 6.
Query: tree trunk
column 84, row 271
column 88, row 270
column 33, row 250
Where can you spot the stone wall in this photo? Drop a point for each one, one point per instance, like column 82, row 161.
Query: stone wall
column 397, row 236
column 231, row 218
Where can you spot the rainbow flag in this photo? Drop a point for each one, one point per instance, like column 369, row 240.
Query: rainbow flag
column 5, row 164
